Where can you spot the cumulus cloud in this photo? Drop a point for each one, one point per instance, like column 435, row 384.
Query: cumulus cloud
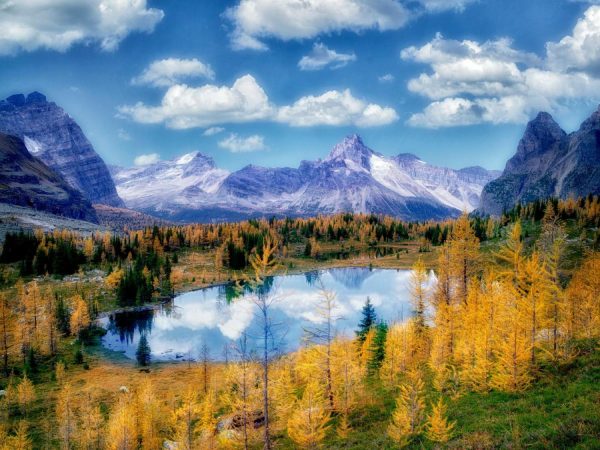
column 237, row 144
column 335, row 108
column 189, row 107
column 580, row 50
column 170, row 71
column 145, row 160
column 29, row 25
column 207, row 106
column 212, row 131
column 491, row 82
column 321, row 57
column 293, row 19
column 254, row 21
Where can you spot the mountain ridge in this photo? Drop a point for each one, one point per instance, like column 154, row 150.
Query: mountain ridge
column 352, row 177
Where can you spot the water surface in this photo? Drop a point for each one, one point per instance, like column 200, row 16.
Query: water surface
column 213, row 318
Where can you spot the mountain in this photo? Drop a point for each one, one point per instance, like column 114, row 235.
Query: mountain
column 55, row 138
column 27, row 181
column 548, row 163
column 169, row 186
column 353, row 178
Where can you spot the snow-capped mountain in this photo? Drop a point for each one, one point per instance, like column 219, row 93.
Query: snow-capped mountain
column 168, row 186
column 352, row 178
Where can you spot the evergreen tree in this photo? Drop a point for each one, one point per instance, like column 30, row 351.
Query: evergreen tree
column 142, row 353
column 369, row 318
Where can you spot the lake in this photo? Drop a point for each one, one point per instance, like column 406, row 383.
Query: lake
column 216, row 318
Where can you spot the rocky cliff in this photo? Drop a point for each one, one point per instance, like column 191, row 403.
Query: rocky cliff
column 55, row 138
column 27, row 181
column 548, row 163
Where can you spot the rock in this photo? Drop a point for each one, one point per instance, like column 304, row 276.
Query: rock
column 28, row 182
column 55, row 138
column 548, row 163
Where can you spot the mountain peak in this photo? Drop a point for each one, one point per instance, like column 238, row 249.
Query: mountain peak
column 352, row 148
column 541, row 134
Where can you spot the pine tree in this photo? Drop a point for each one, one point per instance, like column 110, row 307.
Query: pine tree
column 438, row 429
column 368, row 321
column 143, row 353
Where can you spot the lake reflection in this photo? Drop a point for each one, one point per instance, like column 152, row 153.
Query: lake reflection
column 209, row 316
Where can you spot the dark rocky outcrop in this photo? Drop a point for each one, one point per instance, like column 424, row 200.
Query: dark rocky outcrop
column 27, row 181
column 54, row 137
column 548, row 163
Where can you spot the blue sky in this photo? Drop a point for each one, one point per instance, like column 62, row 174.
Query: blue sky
column 452, row 81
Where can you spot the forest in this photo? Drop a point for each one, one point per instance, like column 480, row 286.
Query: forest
column 502, row 351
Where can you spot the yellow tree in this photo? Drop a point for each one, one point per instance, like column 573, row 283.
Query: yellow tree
column 464, row 254
column 7, row 323
column 91, row 426
column 185, row 421
column 242, row 397
column 438, row 429
column 308, row 424
column 418, row 296
column 20, row 441
column 80, row 316
column 536, row 288
column 122, row 433
column 150, row 416
column 25, row 394
column 407, row 419
column 65, row 416
column 512, row 371
column 583, row 304
column 398, row 352
column 208, row 421
column 511, row 256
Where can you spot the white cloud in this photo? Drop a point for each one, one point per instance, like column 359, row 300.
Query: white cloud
column 237, row 144
column 206, row 106
column 491, row 82
column 254, row 20
column 321, row 57
column 580, row 50
column 29, row 25
column 188, row 107
column 145, row 160
column 443, row 5
column 212, row 131
column 123, row 135
column 170, row 71
column 387, row 78
column 335, row 108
